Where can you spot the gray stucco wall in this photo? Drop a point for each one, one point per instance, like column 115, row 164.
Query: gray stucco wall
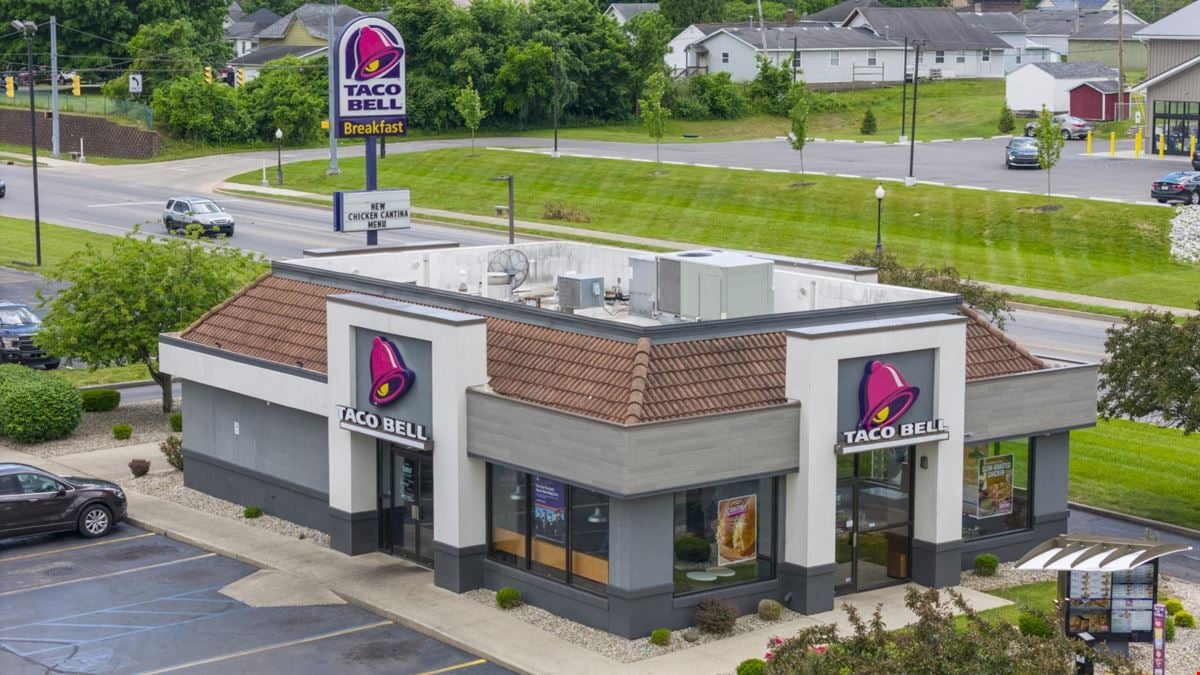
column 1030, row 403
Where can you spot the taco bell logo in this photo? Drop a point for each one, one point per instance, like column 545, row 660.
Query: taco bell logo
column 370, row 82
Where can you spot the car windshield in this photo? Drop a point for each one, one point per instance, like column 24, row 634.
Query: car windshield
column 1023, row 142
column 205, row 207
column 17, row 316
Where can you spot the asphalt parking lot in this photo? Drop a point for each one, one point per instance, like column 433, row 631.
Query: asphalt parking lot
column 137, row 602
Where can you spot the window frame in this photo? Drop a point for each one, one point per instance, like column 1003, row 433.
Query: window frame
column 835, row 57
column 961, row 56
column 939, row 56
column 775, row 497
column 872, row 57
column 724, row 57
column 57, row 485
column 985, row 55
column 1031, row 468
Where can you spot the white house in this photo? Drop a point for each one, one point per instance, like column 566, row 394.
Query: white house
column 622, row 12
column 1033, row 85
column 950, row 47
column 676, row 56
column 1054, row 27
column 823, row 54
column 1006, row 26
column 243, row 33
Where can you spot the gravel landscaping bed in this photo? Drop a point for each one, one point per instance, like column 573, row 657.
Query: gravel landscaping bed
column 1005, row 577
column 614, row 646
column 170, row 486
column 1183, row 654
column 150, row 425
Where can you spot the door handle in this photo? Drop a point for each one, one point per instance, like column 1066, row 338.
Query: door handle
column 415, row 512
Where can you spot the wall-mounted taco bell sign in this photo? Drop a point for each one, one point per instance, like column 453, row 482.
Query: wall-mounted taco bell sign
column 391, row 379
column 369, row 80
column 884, row 397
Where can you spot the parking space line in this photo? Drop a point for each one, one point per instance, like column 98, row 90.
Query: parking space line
column 106, row 542
column 96, row 206
column 124, row 608
column 466, row 664
column 110, row 574
column 267, row 648
column 133, row 631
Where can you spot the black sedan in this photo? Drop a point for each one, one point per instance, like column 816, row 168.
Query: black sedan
column 2, row 188
column 1195, row 165
column 1181, row 186
column 33, row 501
column 1021, row 151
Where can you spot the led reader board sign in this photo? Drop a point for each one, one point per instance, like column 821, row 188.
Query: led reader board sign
column 369, row 80
column 372, row 210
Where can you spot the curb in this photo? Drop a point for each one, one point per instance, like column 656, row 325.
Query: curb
column 1137, row 520
column 198, row 543
column 120, row 385
column 1077, row 313
column 246, row 194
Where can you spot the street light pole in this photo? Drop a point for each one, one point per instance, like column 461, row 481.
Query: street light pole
column 904, row 92
column 555, row 152
column 279, row 157
column 28, row 28
column 511, row 229
column 879, row 220
column 912, row 128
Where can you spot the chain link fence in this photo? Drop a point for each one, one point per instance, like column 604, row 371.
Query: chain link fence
column 88, row 104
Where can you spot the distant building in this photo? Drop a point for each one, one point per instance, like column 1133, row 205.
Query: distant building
column 1097, row 100
column 1172, row 84
column 301, row 33
column 622, row 12
column 1054, row 28
column 987, row 6
column 1034, row 85
column 1099, row 43
column 1007, row 27
column 839, row 12
column 1079, row 5
column 951, row 48
column 243, row 33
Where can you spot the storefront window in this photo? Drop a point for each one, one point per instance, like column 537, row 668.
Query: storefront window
column 567, row 528
column 996, row 488
column 724, row 535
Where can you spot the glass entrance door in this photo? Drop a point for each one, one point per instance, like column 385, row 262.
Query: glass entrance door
column 406, row 504
column 873, row 531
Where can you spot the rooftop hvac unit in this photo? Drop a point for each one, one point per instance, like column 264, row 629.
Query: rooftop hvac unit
column 712, row 285
column 642, row 284
column 580, row 291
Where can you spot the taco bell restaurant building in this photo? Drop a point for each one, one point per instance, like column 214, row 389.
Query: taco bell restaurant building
column 621, row 434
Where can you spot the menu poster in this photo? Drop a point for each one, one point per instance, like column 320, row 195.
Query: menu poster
column 737, row 530
column 550, row 510
column 995, row 486
column 1160, row 639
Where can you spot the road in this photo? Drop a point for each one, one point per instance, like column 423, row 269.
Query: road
column 1185, row 565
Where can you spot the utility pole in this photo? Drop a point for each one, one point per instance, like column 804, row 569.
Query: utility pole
column 28, row 30
column 556, row 101
column 54, row 149
column 333, row 169
column 1120, row 56
column 794, row 48
column 904, row 92
column 912, row 128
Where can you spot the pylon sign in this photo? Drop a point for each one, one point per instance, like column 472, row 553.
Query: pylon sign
column 369, row 83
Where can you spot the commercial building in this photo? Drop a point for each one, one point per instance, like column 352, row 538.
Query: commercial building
column 621, row 434
column 1172, row 84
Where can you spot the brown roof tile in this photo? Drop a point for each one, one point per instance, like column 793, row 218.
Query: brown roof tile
column 283, row 320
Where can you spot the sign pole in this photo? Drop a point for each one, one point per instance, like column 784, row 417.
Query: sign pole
column 372, row 182
column 330, row 50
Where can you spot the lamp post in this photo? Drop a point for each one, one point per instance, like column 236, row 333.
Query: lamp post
column 279, row 157
column 556, row 103
column 511, row 230
column 879, row 219
column 28, row 28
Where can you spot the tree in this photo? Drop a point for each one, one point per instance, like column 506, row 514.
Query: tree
column 649, row 33
column 193, row 110
column 798, row 116
column 992, row 304
column 654, row 113
column 526, row 80
column 1007, row 124
column 771, row 88
column 869, row 125
column 1151, row 370
column 288, row 94
column 683, row 13
column 1049, row 145
column 116, row 302
column 168, row 50
column 469, row 107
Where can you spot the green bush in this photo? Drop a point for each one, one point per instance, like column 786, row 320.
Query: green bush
column 1034, row 625
column 508, row 598
column 771, row 88
column 693, row 549
column 38, row 407
column 193, row 110
column 769, row 610
column 172, row 447
column 122, row 432
column 177, row 422
column 1170, row 629
column 251, row 512
column 11, row 372
column 869, row 125
column 986, row 565
column 1007, row 124
column 1184, row 619
column 139, row 467
column 715, row 615
column 660, row 637
column 708, row 96
column 752, row 667
column 100, row 400
column 1174, row 606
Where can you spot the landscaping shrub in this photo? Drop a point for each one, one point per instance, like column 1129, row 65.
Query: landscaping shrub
column 508, row 597
column 708, row 96
column 561, row 211
column 820, row 101
column 1184, row 619
column 751, row 667
column 1174, row 606
column 172, row 447
column 122, row 432
column 251, row 512
column 1035, row 625
column 769, row 610
column 100, row 400
column 139, row 467
column 693, row 549
column 1006, row 124
column 660, row 637
column 1170, row 626
column 771, row 89
column 869, row 125
column 715, row 615
column 38, row 407
column 986, row 565
column 177, row 422
column 12, row 371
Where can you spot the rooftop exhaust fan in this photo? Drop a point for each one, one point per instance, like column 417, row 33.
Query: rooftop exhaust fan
column 512, row 262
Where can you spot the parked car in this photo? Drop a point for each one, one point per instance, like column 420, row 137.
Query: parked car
column 1195, row 165
column 18, row 331
column 65, row 77
column 1071, row 127
column 2, row 188
column 34, row 501
column 1021, row 151
column 183, row 211
column 1181, row 186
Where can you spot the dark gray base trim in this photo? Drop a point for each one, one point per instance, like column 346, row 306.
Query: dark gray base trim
column 221, row 479
column 353, row 533
column 936, row 565
column 458, row 569
column 808, row 590
column 1009, row 547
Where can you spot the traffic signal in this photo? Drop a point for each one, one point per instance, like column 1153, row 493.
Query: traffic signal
column 9, row 90
column 208, row 74
column 75, row 85
column 241, row 76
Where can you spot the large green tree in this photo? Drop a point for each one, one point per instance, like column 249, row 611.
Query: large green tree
column 117, row 299
column 1151, row 369
column 168, row 50
column 191, row 109
column 683, row 13
column 288, row 94
column 527, row 81
column 649, row 33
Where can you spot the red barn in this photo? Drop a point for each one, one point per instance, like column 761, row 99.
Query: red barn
column 1097, row 100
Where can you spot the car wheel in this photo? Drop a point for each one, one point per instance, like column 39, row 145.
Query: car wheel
column 1029, row 132
column 1162, row 201
column 95, row 521
column 1195, row 198
column 1066, row 135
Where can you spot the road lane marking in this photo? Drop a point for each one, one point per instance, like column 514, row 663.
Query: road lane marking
column 106, row 225
column 97, row 206
column 267, row 648
column 460, row 666
column 105, row 576
column 847, row 175
column 76, row 548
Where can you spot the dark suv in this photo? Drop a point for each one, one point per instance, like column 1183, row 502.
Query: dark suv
column 18, row 331
column 34, row 501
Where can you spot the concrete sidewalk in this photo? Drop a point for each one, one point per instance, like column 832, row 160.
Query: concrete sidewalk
column 404, row 592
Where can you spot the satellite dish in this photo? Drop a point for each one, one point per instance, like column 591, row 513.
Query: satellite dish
column 512, row 262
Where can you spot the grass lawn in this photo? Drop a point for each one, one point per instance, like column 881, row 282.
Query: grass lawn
column 1038, row 596
column 947, row 109
column 81, row 377
column 58, row 242
column 1138, row 468
column 1098, row 248
column 706, row 131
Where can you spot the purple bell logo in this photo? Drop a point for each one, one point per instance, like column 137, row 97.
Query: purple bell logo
column 390, row 378
column 374, row 53
column 884, row 396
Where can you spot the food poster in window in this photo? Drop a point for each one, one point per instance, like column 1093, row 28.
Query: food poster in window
column 737, row 530
column 995, row 486
column 550, row 510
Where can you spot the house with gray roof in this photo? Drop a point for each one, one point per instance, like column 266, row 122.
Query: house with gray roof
column 950, row 47
column 1035, row 85
column 243, row 33
column 1054, row 27
column 839, row 12
column 1006, row 26
column 1172, row 84
column 622, row 12
column 1100, row 43
column 307, row 25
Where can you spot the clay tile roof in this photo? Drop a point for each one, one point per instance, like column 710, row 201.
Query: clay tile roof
column 282, row 320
